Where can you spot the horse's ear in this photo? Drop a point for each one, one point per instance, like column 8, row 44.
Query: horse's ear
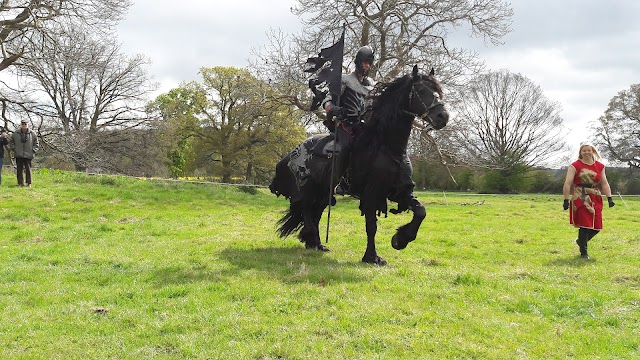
column 415, row 72
column 432, row 72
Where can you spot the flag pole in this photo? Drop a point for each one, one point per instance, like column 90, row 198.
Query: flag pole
column 333, row 165
column 335, row 139
column 332, row 76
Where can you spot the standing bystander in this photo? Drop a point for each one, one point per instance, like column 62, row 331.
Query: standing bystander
column 24, row 144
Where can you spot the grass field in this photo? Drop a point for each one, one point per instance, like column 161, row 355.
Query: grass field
column 98, row 267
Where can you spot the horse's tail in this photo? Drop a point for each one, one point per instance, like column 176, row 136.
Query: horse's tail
column 292, row 220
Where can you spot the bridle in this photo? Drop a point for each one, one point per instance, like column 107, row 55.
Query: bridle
column 425, row 116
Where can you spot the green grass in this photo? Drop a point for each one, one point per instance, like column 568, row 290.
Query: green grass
column 98, row 267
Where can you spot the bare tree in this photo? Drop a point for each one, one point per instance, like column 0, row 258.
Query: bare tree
column 85, row 94
column 22, row 20
column 402, row 33
column 505, row 121
column 618, row 130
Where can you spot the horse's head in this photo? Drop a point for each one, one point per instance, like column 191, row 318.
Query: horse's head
column 425, row 100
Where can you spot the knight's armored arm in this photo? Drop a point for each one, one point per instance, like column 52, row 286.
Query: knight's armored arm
column 331, row 109
column 328, row 103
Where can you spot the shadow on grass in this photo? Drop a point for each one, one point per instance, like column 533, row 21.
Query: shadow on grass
column 293, row 265
column 574, row 261
column 288, row 265
column 182, row 275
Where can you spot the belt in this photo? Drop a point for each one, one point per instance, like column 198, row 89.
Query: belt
column 583, row 193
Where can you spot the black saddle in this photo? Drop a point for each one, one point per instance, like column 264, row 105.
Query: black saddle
column 323, row 145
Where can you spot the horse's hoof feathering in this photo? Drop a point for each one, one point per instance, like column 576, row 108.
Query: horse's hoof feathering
column 318, row 247
column 375, row 260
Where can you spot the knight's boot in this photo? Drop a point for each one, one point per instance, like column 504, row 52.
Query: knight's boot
column 343, row 187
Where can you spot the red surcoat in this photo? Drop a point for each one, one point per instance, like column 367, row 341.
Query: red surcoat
column 586, row 200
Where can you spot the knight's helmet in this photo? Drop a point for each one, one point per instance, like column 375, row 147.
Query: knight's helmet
column 365, row 53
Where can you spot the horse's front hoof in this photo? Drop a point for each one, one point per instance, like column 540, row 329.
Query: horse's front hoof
column 375, row 260
column 318, row 247
column 397, row 243
column 402, row 237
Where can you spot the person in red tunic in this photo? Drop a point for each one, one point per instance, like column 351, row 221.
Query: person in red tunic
column 583, row 197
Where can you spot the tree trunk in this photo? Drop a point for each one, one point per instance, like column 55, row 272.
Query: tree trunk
column 226, row 171
column 247, row 175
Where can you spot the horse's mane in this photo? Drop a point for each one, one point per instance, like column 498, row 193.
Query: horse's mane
column 386, row 101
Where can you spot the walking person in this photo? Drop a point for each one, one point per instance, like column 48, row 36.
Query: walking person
column 4, row 140
column 24, row 144
column 585, row 200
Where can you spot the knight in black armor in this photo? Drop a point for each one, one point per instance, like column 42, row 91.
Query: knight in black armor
column 344, row 120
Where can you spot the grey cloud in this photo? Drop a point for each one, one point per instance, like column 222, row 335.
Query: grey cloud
column 180, row 40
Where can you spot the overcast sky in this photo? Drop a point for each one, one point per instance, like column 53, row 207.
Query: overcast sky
column 581, row 52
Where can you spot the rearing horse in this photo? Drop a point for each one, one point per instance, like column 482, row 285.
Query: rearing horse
column 304, row 175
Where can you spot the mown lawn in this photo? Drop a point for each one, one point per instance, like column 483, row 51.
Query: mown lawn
column 99, row 267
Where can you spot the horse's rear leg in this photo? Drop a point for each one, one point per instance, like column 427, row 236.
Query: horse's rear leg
column 310, row 233
column 370, row 255
column 408, row 232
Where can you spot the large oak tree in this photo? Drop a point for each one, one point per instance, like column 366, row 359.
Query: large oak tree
column 232, row 124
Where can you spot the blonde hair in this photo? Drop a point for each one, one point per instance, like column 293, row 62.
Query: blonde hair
column 596, row 154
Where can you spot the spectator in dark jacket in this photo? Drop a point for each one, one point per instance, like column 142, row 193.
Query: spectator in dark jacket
column 24, row 144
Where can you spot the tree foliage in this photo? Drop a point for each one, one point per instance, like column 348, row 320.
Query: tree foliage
column 232, row 123
column 618, row 130
column 176, row 125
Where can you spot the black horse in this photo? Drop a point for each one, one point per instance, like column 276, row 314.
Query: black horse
column 304, row 175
